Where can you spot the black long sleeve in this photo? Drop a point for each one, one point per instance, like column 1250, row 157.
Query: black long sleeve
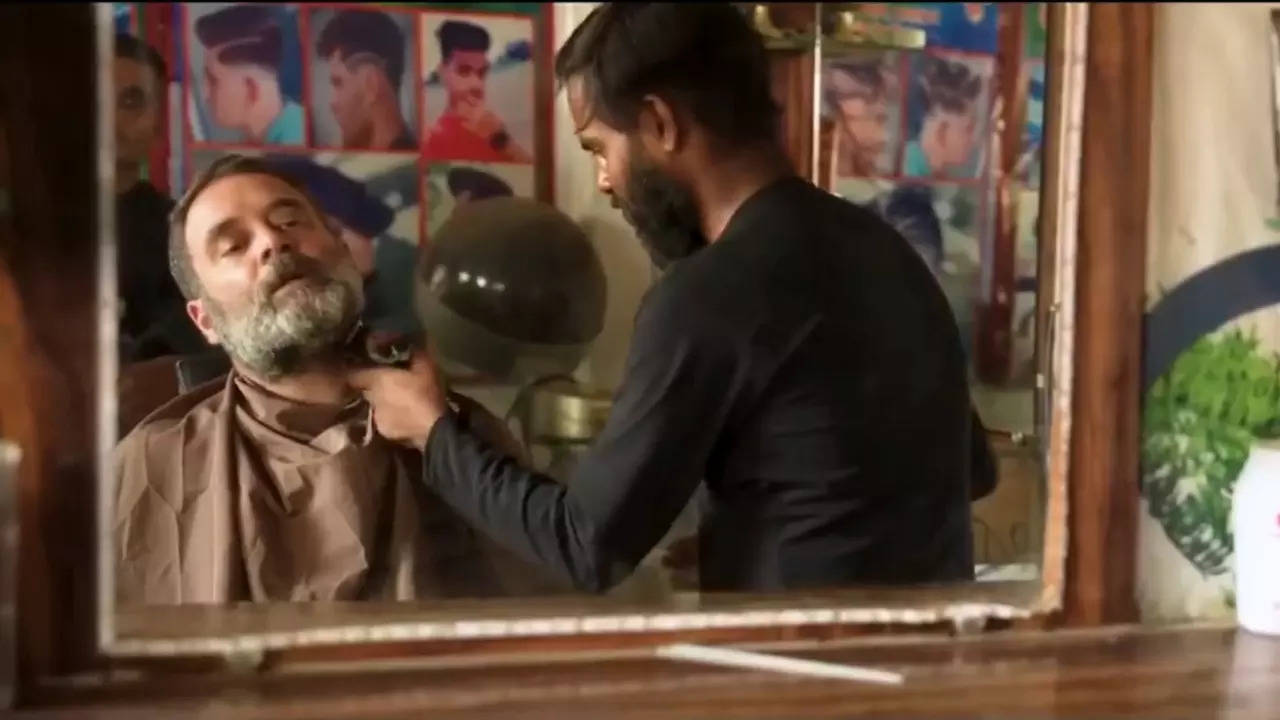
column 680, row 382
column 808, row 367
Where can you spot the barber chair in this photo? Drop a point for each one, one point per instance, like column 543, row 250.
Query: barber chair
column 196, row 370
column 145, row 386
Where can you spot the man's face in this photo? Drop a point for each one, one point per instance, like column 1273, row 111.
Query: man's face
column 226, row 91
column 661, row 208
column 865, row 119
column 277, row 287
column 954, row 138
column 137, row 109
column 463, row 75
column 349, row 104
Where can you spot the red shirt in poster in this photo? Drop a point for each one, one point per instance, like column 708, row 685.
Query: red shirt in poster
column 450, row 138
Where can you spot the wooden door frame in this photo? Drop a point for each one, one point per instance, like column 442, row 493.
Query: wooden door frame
column 1112, row 264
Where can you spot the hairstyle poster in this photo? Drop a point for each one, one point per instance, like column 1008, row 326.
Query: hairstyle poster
column 477, row 75
column 911, row 134
column 380, row 110
column 364, row 90
column 450, row 184
column 861, row 99
column 245, row 74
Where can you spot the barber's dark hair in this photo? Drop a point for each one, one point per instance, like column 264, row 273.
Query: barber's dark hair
column 359, row 32
column 703, row 58
column 948, row 85
column 128, row 47
column 180, row 266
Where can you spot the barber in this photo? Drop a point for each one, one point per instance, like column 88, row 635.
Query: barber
column 796, row 353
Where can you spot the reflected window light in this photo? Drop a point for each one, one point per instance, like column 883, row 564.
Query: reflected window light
column 464, row 277
column 499, row 286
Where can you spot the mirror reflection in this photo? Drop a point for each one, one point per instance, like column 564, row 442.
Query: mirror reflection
column 359, row 343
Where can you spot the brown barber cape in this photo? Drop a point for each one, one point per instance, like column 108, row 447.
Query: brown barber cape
column 231, row 493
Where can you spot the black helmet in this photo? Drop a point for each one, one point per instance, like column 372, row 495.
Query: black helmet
column 511, row 287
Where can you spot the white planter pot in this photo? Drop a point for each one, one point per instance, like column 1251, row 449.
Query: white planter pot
column 1255, row 521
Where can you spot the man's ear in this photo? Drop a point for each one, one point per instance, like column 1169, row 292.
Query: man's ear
column 252, row 89
column 367, row 77
column 935, row 124
column 200, row 316
column 660, row 129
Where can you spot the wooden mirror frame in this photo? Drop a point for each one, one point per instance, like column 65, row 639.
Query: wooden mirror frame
column 49, row 335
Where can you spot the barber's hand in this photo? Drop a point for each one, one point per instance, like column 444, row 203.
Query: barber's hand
column 406, row 403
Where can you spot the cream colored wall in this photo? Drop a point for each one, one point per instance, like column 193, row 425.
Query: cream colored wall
column 1213, row 168
column 1213, row 185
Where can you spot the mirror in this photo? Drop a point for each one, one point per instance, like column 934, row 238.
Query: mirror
column 407, row 153
column 946, row 144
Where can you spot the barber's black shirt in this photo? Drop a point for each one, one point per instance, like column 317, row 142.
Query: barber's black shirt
column 808, row 366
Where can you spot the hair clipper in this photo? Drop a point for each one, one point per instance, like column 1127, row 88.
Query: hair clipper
column 369, row 348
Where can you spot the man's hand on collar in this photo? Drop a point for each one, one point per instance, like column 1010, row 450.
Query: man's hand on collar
column 406, row 402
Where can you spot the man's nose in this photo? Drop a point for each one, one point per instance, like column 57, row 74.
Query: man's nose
column 272, row 243
column 602, row 182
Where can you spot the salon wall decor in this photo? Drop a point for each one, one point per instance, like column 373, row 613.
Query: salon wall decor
column 426, row 105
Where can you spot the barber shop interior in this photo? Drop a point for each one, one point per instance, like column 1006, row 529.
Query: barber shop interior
column 630, row 360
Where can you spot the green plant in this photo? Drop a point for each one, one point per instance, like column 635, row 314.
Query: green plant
column 1199, row 423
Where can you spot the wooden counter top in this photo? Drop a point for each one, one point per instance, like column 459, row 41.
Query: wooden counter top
column 1204, row 671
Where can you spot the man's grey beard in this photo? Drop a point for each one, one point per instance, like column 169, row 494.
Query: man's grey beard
column 275, row 339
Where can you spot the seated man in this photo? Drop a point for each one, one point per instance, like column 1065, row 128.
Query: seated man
column 271, row 484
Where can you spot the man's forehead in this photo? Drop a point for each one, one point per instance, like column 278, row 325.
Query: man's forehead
column 580, row 107
column 861, row 102
column 236, row 196
column 469, row 57
column 213, row 61
column 337, row 62
column 133, row 72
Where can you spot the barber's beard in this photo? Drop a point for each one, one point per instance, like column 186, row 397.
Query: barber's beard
column 663, row 211
column 281, row 333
